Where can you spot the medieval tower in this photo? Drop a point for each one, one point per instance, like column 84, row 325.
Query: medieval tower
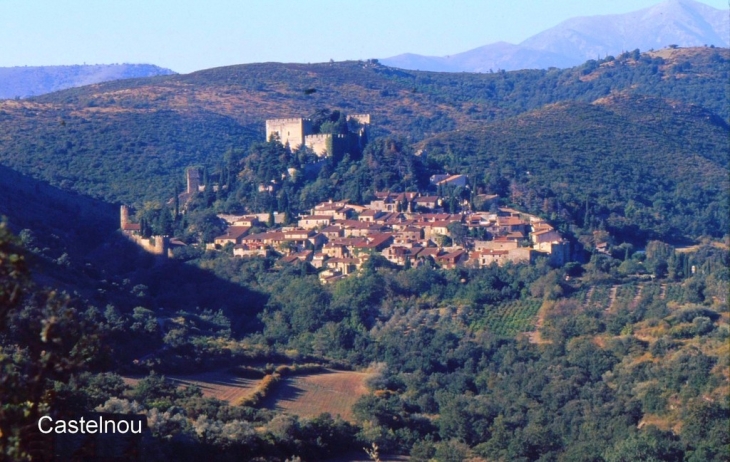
column 291, row 131
column 193, row 177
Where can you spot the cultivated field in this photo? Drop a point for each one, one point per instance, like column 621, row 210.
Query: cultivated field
column 216, row 384
column 310, row 395
column 511, row 318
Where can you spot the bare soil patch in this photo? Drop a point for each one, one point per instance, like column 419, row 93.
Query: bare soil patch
column 216, row 384
column 311, row 395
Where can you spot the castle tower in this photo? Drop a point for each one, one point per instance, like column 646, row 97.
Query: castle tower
column 123, row 216
column 193, row 177
column 290, row 131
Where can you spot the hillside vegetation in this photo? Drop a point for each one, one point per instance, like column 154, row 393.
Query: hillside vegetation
column 626, row 367
column 621, row 356
column 640, row 167
column 124, row 140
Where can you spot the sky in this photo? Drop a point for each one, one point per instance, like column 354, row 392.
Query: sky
column 189, row 35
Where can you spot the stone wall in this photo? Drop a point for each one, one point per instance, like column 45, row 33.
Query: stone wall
column 326, row 145
column 319, row 144
column 156, row 245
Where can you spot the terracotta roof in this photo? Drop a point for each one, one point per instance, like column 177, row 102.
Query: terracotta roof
column 428, row 251
column 435, row 216
column 328, row 207
column 450, row 179
column 316, row 217
column 510, row 221
column 299, row 233
column 377, row 239
column 353, row 261
column 347, row 241
column 267, row 236
column 351, row 223
column 374, row 240
column 289, row 258
column 234, row 232
column 434, row 224
column 451, row 255
column 543, row 231
column 411, row 229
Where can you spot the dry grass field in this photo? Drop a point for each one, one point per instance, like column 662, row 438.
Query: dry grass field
column 304, row 395
column 310, row 395
column 216, row 384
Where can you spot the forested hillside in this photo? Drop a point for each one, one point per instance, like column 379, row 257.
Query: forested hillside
column 504, row 363
column 640, row 167
column 124, row 140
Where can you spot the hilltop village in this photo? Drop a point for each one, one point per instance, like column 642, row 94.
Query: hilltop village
column 409, row 229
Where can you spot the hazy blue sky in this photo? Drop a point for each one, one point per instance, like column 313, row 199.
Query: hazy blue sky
column 188, row 35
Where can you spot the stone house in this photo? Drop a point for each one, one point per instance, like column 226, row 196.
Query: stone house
column 427, row 202
column 252, row 250
column 233, row 235
column 332, row 232
column 453, row 180
column 452, row 259
column 544, row 236
column 314, row 221
column 370, row 215
column 496, row 244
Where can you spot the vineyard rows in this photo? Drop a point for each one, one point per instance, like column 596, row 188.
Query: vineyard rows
column 511, row 318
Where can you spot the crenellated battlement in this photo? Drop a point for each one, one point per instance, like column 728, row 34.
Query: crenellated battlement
column 322, row 137
column 293, row 120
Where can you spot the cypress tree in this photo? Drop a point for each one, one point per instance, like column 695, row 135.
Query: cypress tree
column 177, row 202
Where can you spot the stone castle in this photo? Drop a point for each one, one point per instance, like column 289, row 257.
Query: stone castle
column 298, row 132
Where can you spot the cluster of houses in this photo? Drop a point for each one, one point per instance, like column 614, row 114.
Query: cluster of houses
column 408, row 229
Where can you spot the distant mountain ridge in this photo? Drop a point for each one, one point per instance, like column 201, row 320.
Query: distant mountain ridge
column 25, row 81
column 684, row 23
